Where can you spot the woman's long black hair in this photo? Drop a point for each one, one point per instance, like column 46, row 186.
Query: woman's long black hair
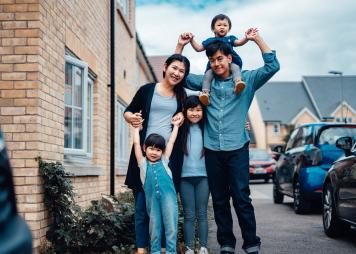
column 190, row 102
column 179, row 89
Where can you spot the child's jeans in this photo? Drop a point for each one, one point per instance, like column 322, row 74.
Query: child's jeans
column 209, row 75
column 194, row 192
column 162, row 208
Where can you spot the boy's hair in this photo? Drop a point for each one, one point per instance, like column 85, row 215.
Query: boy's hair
column 214, row 47
column 190, row 102
column 156, row 141
column 220, row 17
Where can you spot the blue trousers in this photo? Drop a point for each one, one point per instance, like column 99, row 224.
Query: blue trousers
column 228, row 176
column 194, row 192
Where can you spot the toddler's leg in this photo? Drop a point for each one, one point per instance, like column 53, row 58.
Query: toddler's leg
column 169, row 211
column 236, row 75
column 155, row 224
column 204, row 96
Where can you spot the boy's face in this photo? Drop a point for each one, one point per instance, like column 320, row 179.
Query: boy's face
column 220, row 64
column 221, row 27
column 153, row 154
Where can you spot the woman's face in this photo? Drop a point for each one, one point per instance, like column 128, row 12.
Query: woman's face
column 195, row 114
column 174, row 73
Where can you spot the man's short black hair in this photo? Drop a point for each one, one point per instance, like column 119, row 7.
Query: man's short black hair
column 156, row 141
column 220, row 17
column 214, row 47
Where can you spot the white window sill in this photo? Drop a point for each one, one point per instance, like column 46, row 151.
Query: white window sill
column 81, row 166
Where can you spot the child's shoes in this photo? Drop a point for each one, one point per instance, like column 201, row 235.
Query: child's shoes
column 203, row 250
column 239, row 86
column 204, row 98
column 189, row 251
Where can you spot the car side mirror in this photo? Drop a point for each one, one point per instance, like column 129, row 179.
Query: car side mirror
column 277, row 151
column 345, row 143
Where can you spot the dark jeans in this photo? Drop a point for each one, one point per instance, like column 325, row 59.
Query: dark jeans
column 141, row 220
column 228, row 176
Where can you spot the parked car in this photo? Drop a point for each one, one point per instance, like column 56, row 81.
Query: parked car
column 15, row 236
column 339, row 191
column 261, row 164
column 302, row 166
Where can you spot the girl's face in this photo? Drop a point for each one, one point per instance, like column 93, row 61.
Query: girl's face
column 174, row 73
column 221, row 27
column 153, row 154
column 195, row 114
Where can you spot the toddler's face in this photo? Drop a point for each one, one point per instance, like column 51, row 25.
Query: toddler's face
column 153, row 154
column 221, row 27
column 194, row 115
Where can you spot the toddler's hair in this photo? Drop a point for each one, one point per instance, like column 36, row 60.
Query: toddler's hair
column 212, row 48
column 220, row 17
column 156, row 141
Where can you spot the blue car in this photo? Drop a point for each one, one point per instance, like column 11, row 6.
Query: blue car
column 302, row 166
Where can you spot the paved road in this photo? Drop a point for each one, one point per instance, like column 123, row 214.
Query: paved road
column 282, row 231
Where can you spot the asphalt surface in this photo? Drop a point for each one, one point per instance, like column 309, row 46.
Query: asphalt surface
column 283, row 231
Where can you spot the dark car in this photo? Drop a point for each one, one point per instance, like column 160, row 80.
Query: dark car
column 301, row 168
column 339, row 191
column 261, row 164
column 15, row 236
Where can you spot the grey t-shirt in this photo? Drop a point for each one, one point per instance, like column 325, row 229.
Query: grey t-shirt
column 161, row 113
column 194, row 162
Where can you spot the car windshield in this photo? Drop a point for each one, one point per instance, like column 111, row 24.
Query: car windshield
column 259, row 155
column 330, row 135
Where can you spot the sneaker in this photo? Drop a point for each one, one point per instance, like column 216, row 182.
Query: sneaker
column 189, row 251
column 239, row 87
column 203, row 250
column 204, row 98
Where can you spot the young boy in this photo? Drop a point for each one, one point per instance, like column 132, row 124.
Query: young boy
column 161, row 197
column 221, row 25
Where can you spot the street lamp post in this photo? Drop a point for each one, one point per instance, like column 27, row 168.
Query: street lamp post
column 339, row 73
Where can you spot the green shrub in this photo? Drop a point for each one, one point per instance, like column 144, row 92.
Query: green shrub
column 94, row 230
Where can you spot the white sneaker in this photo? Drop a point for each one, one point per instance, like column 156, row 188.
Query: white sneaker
column 189, row 251
column 203, row 250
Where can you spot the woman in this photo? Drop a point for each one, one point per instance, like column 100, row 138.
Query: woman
column 154, row 105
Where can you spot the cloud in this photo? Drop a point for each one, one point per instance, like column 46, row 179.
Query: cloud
column 311, row 37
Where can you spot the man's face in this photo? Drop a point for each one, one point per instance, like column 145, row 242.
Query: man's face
column 220, row 64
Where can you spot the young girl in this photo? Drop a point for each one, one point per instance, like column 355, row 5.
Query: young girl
column 194, row 183
column 221, row 25
column 161, row 197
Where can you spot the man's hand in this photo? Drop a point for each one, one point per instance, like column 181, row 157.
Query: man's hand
column 251, row 33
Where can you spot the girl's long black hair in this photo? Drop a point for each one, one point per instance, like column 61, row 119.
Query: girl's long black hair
column 179, row 89
column 190, row 102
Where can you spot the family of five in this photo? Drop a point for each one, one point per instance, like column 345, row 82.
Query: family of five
column 196, row 145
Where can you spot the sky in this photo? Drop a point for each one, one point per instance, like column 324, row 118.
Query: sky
column 311, row 37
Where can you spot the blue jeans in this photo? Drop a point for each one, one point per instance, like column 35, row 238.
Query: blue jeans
column 141, row 220
column 194, row 192
column 228, row 176
column 162, row 208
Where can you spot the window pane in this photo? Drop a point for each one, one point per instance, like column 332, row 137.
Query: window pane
column 68, row 128
column 89, row 113
column 78, row 128
column 78, row 87
column 68, row 85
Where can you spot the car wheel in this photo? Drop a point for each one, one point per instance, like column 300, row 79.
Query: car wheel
column 333, row 226
column 301, row 205
column 277, row 195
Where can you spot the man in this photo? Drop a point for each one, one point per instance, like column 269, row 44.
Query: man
column 226, row 141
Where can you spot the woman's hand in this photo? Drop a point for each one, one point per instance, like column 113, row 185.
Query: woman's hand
column 136, row 120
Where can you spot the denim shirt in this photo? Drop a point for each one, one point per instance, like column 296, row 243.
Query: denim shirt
column 227, row 113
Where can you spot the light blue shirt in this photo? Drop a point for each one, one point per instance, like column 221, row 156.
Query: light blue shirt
column 194, row 162
column 227, row 113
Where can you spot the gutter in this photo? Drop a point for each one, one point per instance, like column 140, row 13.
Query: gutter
column 112, row 96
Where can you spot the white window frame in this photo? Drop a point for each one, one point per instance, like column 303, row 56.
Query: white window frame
column 276, row 126
column 85, row 80
column 121, row 139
